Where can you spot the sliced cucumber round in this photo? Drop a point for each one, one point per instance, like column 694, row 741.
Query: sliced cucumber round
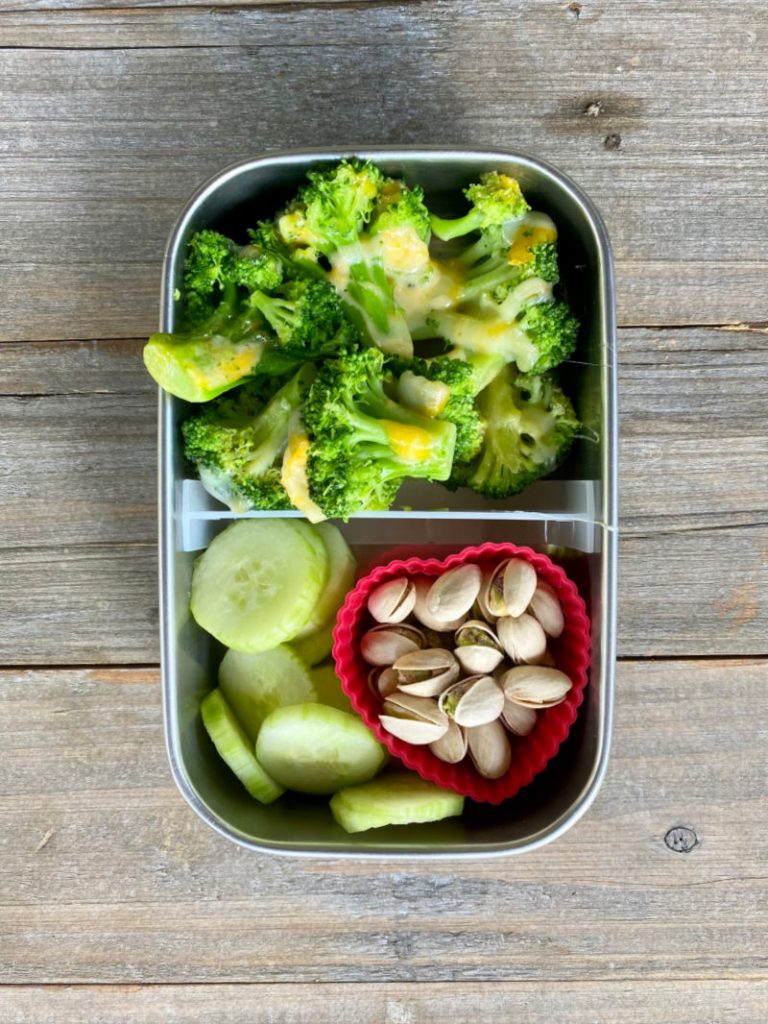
column 400, row 799
column 258, row 581
column 255, row 683
column 328, row 688
column 341, row 577
column 315, row 647
column 235, row 748
column 316, row 749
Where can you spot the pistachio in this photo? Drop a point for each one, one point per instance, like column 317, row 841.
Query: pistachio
column 414, row 719
column 452, row 747
column 489, row 749
column 481, row 608
column 452, row 595
column 392, row 601
column 476, row 659
column 519, row 585
column 522, row 637
column 426, row 673
column 475, row 633
column 473, row 701
column 517, row 719
column 546, row 608
column 425, row 617
column 384, row 644
column 535, row 686
column 382, row 681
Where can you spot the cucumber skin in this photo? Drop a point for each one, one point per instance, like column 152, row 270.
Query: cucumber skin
column 259, row 784
column 312, row 774
column 355, row 808
column 308, row 546
column 342, row 567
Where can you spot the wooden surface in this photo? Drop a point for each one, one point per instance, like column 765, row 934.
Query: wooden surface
column 116, row 902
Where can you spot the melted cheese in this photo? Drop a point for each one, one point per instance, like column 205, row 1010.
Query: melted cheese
column 411, row 444
column 223, row 371
column 534, row 229
column 403, row 252
column 294, row 478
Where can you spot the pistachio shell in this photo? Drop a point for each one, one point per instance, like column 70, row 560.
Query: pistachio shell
column 414, row 731
column 452, row 747
column 453, row 594
column 475, row 659
column 392, row 601
column 522, row 637
column 384, row 644
column 476, row 633
column 473, row 701
column 425, row 617
column 546, row 608
column 382, row 681
column 489, row 749
column 518, row 719
column 426, row 673
column 404, row 705
column 535, row 686
column 519, row 585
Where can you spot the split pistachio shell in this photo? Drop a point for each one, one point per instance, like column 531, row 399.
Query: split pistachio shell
column 473, row 701
column 476, row 633
column 384, row 644
column 519, row 585
column 517, row 719
column 489, row 749
column 546, row 608
column 452, row 747
column 415, row 720
column 522, row 637
column 535, row 686
column 425, row 617
column 452, row 595
column 392, row 601
column 426, row 673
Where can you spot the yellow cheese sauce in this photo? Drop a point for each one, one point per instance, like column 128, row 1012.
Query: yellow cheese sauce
column 294, row 478
column 411, row 444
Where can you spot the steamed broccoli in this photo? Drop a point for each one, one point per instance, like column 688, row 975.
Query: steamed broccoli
column 530, row 427
column 308, row 318
column 495, row 200
column 238, row 441
column 444, row 387
column 494, row 265
column 331, row 211
column 363, row 443
column 400, row 207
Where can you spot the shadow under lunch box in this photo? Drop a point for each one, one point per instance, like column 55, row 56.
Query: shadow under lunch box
column 570, row 516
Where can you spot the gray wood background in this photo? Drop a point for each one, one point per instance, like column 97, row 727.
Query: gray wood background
column 116, row 903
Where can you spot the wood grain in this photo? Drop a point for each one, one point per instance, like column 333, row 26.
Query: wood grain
column 99, row 850
column 141, row 105
column 726, row 1002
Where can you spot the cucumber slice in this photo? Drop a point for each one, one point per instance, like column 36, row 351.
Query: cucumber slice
column 315, row 749
column 328, row 688
column 341, row 577
column 235, row 748
column 258, row 582
column 401, row 799
column 254, row 684
column 315, row 647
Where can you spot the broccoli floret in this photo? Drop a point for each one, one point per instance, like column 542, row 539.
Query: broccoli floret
column 369, row 298
column 331, row 211
column 444, row 387
column 237, row 442
column 494, row 266
column 363, row 443
column 496, row 199
column 536, row 336
column 530, row 427
column 258, row 269
column 401, row 207
column 295, row 263
column 208, row 274
column 308, row 318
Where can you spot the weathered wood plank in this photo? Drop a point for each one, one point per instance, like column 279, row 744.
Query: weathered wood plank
column 645, row 1002
column 78, row 549
column 131, row 130
column 99, row 850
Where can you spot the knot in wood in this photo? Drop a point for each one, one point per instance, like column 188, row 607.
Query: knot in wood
column 681, row 839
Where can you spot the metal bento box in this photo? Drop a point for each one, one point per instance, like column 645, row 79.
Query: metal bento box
column 571, row 516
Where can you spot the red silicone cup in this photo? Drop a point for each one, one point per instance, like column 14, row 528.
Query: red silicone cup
column 531, row 753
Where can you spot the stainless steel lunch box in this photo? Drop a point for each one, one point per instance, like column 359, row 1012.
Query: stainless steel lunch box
column 572, row 517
